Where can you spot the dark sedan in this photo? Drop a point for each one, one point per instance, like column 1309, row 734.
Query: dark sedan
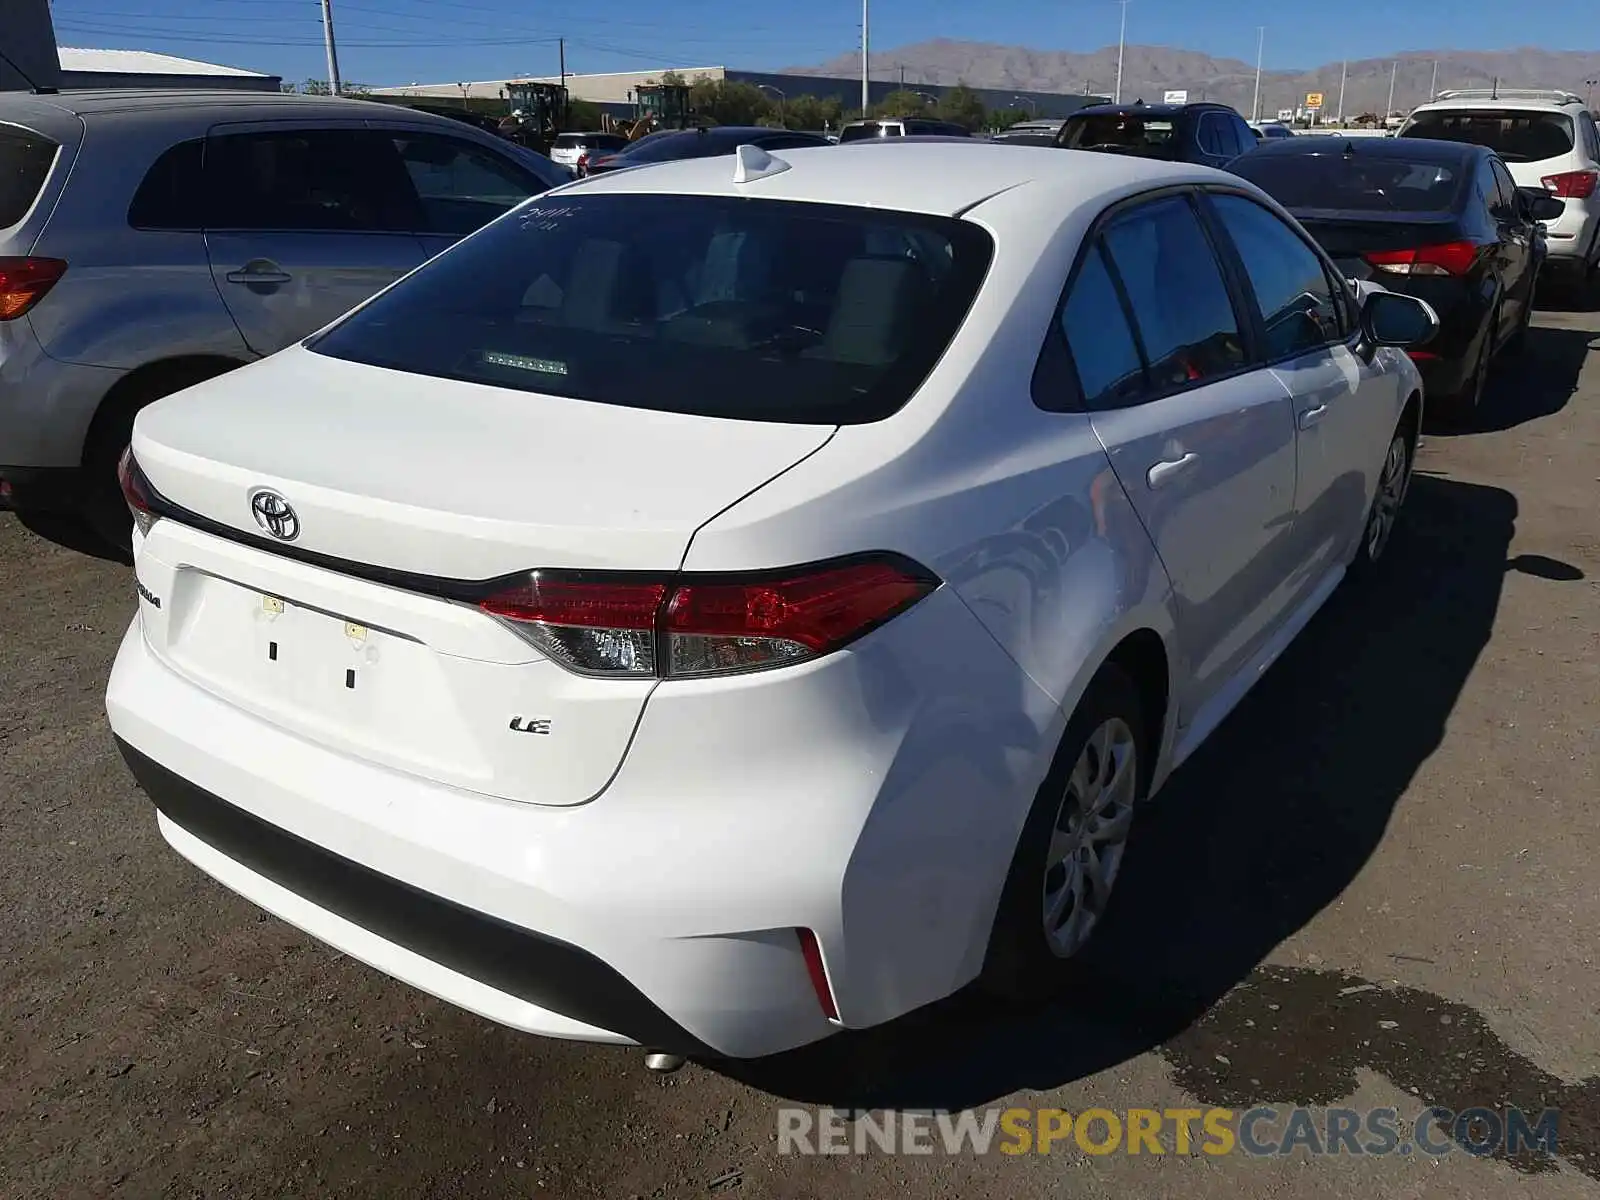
column 1440, row 221
column 668, row 146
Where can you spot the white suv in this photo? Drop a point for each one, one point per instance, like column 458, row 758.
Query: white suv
column 1548, row 139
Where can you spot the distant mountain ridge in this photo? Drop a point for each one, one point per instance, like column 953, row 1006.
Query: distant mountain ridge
column 1148, row 71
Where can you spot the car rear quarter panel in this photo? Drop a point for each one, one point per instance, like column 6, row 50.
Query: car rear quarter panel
column 129, row 297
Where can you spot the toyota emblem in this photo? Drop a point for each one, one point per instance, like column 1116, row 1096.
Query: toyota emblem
column 273, row 513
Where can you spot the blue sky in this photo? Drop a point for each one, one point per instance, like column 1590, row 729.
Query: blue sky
column 434, row 41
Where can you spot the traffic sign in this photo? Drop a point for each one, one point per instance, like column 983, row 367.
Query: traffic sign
column 1180, row 96
column 1313, row 99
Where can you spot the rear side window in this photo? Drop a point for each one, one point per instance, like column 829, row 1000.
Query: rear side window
column 25, row 159
column 1514, row 136
column 758, row 310
column 328, row 180
column 1110, row 371
column 172, row 193
column 1357, row 183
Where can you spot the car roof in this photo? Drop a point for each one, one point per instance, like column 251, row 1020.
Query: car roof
column 1551, row 101
column 1408, row 149
column 944, row 178
column 92, row 102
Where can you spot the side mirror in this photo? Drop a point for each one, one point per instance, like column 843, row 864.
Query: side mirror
column 1542, row 206
column 1391, row 319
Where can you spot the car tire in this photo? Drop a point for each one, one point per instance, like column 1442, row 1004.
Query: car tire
column 1388, row 498
column 1072, row 844
column 1468, row 400
column 104, row 510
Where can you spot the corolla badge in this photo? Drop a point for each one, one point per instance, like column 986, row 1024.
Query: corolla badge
column 275, row 516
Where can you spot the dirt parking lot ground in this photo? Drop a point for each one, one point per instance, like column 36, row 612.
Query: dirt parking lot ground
column 1376, row 886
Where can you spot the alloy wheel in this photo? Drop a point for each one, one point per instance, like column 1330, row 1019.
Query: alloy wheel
column 1089, row 836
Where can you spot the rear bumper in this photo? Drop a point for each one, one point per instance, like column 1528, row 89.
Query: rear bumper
column 41, row 489
column 1572, row 238
column 521, row 977
column 873, row 797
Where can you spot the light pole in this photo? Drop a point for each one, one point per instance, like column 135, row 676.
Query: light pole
column 1433, row 88
column 1394, row 69
column 333, row 54
column 1122, row 40
column 1344, row 73
column 1033, row 105
column 1261, row 42
column 1588, row 100
column 783, row 99
column 866, row 90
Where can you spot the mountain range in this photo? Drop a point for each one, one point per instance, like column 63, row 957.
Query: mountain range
column 1148, row 71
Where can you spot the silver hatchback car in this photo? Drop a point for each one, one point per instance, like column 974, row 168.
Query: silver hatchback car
column 150, row 240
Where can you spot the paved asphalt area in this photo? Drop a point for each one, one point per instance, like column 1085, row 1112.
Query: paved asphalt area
column 1374, row 887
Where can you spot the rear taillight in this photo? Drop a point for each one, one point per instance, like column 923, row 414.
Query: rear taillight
column 622, row 626
column 1572, row 185
column 24, row 281
column 583, row 163
column 136, row 490
column 1447, row 258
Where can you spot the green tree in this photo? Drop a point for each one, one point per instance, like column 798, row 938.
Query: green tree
column 731, row 102
column 962, row 105
column 901, row 103
column 1005, row 118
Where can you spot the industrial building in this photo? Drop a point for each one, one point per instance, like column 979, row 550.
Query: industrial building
column 613, row 91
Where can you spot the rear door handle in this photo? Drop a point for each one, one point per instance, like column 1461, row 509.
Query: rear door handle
column 1312, row 415
column 259, row 272
column 1165, row 472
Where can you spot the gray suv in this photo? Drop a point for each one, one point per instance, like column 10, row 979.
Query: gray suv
column 151, row 240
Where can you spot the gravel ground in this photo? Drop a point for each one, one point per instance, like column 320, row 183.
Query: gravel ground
column 1373, row 887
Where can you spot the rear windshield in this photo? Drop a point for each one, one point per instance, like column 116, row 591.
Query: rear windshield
column 759, row 310
column 1126, row 132
column 25, row 159
column 1514, row 136
column 869, row 129
column 1337, row 182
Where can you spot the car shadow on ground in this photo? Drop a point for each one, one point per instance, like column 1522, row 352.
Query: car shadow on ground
column 1536, row 383
column 1265, row 826
column 70, row 533
column 1565, row 295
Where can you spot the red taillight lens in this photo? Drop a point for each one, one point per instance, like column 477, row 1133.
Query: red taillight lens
column 1447, row 258
column 719, row 628
column 1574, row 185
column 136, row 490
column 583, row 163
column 24, row 281
column 621, row 626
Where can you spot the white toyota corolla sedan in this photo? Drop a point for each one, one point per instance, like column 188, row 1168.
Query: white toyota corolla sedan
column 725, row 603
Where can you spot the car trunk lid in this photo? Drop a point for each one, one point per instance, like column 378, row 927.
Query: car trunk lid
column 410, row 497
column 1347, row 236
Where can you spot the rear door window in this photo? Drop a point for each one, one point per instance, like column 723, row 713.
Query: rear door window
column 1591, row 137
column 1095, row 325
column 325, row 180
column 25, row 159
column 461, row 186
column 1516, row 136
column 1297, row 299
column 1182, row 310
column 1211, row 133
column 750, row 309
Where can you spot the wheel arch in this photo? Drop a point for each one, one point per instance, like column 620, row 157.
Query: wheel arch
column 147, row 383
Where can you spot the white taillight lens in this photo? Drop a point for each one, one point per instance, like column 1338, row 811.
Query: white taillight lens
column 136, row 490
column 599, row 627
